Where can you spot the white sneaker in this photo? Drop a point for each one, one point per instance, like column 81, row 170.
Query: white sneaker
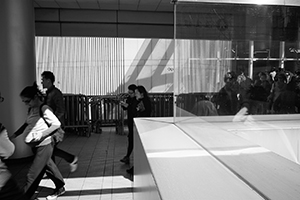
column 56, row 193
column 74, row 165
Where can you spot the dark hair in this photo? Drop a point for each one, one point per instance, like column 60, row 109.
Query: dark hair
column 31, row 91
column 142, row 90
column 281, row 76
column 132, row 87
column 49, row 75
column 230, row 75
column 262, row 74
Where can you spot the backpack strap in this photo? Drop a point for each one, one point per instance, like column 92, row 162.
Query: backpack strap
column 41, row 110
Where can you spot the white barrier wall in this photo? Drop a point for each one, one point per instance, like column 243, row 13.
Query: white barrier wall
column 281, row 136
column 203, row 158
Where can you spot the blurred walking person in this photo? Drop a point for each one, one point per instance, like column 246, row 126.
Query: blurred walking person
column 40, row 124
column 54, row 99
column 9, row 189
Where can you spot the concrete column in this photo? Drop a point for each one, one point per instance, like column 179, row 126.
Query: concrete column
column 17, row 65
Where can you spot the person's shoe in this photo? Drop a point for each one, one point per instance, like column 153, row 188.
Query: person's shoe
column 125, row 160
column 130, row 171
column 57, row 193
column 74, row 165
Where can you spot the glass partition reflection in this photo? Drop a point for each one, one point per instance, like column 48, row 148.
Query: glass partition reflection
column 234, row 56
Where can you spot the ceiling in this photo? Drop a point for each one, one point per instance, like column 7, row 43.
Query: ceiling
column 104, row 18
column 128, row 5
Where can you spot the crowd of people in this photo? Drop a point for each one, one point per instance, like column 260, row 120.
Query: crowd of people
column 274, row 92
column 43, row 130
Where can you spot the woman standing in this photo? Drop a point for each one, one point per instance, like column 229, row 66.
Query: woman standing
column 40, row 124
column 144, row 104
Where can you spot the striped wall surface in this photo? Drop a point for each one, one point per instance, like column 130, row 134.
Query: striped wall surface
column 82, row 65
column 104, row 66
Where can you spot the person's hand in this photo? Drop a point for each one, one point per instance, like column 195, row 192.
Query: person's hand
column 140, row 107
column 124, row 104
column 37, row 136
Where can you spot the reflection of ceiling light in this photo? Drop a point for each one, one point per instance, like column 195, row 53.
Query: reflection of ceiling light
column 293, row 50
column 203, row 153
column 262, row 2
column 257, row 2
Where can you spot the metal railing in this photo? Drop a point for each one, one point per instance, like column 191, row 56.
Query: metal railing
column 87, row 114
column 162, row 104
column 106, row 111
column 77, row 114
column 187, row 101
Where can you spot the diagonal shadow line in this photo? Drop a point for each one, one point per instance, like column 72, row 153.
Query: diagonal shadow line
column 97, row 191
column 106, row 191
column 161, row 66
column 145, row 56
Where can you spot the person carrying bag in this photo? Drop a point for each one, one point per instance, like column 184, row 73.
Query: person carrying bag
column 40, row 127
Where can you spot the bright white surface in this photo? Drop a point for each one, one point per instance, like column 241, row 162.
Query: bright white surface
column 181, row 169
column 278, row 133
column 257, row 2
column 200, row 158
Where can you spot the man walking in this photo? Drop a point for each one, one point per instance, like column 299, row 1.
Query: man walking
column 54, row 99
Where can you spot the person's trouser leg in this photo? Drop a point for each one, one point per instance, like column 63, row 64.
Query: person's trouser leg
column 36, row 170
column 130, row 138
column 11, row 191
column 62, row 154
column 54, row 174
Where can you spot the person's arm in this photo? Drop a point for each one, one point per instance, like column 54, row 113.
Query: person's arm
column 60, row 108
column 124, row 105
column 19, row 131
column 7, row 148
column 271, row 95
column 144, row 108
column 51, row 120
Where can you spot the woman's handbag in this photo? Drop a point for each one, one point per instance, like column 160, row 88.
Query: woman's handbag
column 58, row 135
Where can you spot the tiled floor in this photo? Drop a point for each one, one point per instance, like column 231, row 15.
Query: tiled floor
column 100, row 175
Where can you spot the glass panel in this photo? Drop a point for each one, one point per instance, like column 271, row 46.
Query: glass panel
column 259, row 2
column 227, row 55
column 292, row 50
column 240, row 49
